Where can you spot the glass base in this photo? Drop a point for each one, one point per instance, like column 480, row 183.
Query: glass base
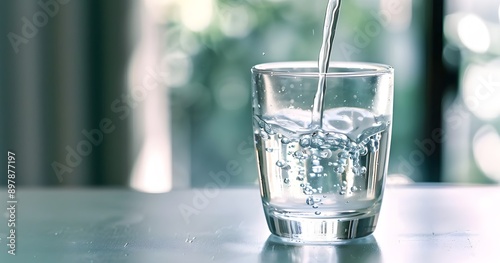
column 302, row 229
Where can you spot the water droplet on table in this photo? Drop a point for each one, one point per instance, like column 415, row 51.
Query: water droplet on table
column 190, row 240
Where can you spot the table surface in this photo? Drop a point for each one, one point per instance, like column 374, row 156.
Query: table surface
column 418, row 223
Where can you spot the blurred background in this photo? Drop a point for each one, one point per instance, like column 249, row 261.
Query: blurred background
column 155, row 94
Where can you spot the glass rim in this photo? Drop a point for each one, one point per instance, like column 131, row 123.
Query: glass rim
column 298, row 68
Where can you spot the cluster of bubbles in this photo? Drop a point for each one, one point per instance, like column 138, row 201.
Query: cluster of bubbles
column 320, row 145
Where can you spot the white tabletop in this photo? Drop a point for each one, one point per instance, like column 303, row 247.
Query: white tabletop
column 418, row 223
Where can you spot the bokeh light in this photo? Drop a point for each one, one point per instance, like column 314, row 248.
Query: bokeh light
column 197, row 15
column 485, row 147
column 177, row 68
column 474, row 33
column 498, row 13
column 481, row 90
column 236, row 21
column 231, row 93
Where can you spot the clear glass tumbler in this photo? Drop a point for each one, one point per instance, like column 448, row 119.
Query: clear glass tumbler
column 322, row 181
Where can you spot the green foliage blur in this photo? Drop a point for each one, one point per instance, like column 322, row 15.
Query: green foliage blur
column 211, row 48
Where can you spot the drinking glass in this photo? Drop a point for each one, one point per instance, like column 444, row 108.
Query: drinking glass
column 322, row 181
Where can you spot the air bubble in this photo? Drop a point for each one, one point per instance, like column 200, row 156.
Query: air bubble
column 312, row 175
column 268, row 129
column 286, row 180
column 308, row 190
column 283, row 165
column 317, row 142
column 339, row 169
column 315, row 162
column 299, row 155
column 269, row 150
column 317, row 139
column 310, row 201
column 317, row 213
column 343, row 155
column 317, row 169
column 315, row 206
column 354, row 189
column 280, row 163
column 300, row 178
column 285, row 140
column 264, row 135
column 363, row 151
column 325, row 154
column 337, row 138
column 342, row 193
column 305, row 141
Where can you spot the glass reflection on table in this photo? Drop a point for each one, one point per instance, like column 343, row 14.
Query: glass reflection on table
column 363, row 249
